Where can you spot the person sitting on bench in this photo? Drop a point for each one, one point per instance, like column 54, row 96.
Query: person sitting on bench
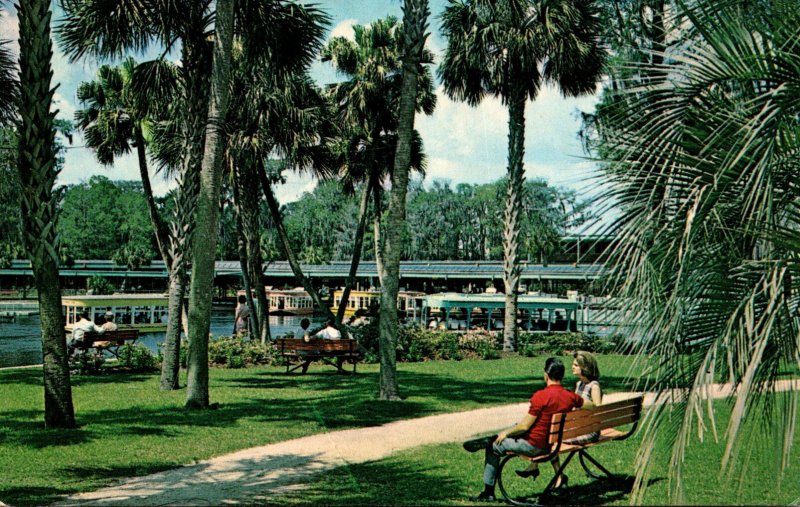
column 530, row 436
column 83, row 326
column 329, row 332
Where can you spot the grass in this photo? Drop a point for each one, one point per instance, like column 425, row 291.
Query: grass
column 446, row 475
column 127, row 427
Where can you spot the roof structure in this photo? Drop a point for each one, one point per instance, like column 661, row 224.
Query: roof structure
column 431, row 270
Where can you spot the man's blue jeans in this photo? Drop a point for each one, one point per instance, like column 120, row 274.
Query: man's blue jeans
column 496, row 451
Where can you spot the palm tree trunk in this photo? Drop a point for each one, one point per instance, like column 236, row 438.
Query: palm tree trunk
column 171, row 351
column 244, row 263
column 363, row 208
column 160, row 230
column 251, row 227
column 183, row 224
column 415, row 19
column 512, row 217
column 277, row 218
column 37, row 175
column 376, row 231
column 204, row 243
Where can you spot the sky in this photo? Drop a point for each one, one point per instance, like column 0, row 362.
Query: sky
column 463, row 144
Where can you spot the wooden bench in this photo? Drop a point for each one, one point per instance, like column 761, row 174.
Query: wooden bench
column 606, row 419
column 110, row 340
column 300, row 354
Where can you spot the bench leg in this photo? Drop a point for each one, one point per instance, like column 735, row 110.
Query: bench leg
column 583, row 454
column 557, row 474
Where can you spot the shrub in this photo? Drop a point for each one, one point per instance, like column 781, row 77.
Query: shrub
column 137, row 358
column 239, row 352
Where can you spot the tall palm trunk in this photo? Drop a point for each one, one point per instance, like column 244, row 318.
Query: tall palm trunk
column 277, row 218
column 196, row 100
column 512, row 217
column 251, row 227
column 37, row 174
column 415, row 19
column 244, row 262
column 204, row 243
column 363, row 209
column 159, row 229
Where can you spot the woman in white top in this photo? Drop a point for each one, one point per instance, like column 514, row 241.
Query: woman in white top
column 584, row 366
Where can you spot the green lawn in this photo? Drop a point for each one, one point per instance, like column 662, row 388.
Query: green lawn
column 447, row 475
column 129, row 428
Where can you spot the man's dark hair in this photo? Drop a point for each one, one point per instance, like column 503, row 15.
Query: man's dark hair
column 304, row 323
column 331, row 323
column 554, row 369
column 85, row 314
column 242, row 299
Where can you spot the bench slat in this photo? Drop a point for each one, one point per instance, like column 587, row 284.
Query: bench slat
column 588, row 418
column 602, row 425
column 582, row 422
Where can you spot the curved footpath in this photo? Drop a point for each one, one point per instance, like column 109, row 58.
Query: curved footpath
column 255, row 475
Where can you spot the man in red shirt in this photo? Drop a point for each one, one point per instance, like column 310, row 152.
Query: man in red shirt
column 530, row 436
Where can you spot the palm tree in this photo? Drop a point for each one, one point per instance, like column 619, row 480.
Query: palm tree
column 277, row 112
column 37, row 174
column 366, row 106
column 415, row 25
column 702, row 168
column 112, row 122
column 8, row 85
column 509, row 48
column 266, row 25
column 204, row 245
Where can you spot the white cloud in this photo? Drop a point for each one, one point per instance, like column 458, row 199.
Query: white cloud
column 9, row 30
column 345, row 29
column 470, row 144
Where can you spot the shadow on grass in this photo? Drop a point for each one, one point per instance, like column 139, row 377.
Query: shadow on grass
column 378, row 483
column 597, row 492
column 33, row 495
column 111, row 375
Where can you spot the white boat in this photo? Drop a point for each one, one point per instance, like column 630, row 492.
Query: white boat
column 145, row 312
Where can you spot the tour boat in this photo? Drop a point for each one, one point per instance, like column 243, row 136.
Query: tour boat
column 145, row 312
column 408, row 302
column 287, row 302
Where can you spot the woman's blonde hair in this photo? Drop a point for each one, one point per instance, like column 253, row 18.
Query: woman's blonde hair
column 588, row 364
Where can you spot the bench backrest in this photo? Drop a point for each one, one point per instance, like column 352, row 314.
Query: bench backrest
column 120, row 335
column 583, row 422
column 317, row 344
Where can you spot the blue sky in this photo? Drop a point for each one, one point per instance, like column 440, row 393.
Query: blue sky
column 463, row 144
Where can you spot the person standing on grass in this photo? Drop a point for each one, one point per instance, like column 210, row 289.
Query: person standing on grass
column 528, row 437
column 241, row 322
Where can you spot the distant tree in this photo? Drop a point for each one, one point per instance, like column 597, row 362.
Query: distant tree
column 98, row 218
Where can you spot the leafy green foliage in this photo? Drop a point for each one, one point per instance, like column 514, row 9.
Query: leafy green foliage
column 416, row 343
column 137, row 358
column 101, row 217
column 239, row 352
column 99, row 285
column 700, row 168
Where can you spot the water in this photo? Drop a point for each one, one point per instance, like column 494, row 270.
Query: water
column 21, row 344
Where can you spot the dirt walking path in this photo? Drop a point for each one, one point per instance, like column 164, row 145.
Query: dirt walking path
column 255, row 475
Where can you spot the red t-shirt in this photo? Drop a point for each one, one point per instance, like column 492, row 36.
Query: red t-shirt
column 553, row 399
